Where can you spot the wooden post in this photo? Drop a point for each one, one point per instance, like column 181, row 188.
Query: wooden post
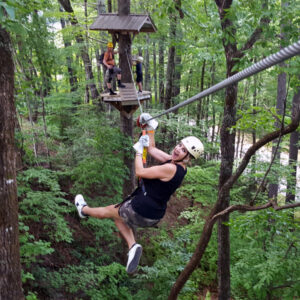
column 126, row 123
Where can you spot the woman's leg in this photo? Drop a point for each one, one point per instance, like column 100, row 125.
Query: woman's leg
column 111, row 212
column 126, row 232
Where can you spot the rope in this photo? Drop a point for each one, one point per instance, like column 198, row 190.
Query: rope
column 263, row 64
column 132, row 77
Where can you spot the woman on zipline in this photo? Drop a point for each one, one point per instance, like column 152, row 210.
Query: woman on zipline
column 146, row 206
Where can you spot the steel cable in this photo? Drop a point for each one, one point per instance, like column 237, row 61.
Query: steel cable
column 263, row 64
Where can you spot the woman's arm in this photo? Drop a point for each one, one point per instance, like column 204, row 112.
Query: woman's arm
column 164, row 172
column 156, row 153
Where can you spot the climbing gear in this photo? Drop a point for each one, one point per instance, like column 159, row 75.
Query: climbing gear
column 80, row 204
column 110, row 45
column 145, row 142
column 134, row 255
column 139, row 123
column 146, row 121
column 134, row 193
column 193, row 146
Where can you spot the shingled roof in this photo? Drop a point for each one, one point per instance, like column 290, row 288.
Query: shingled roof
column 131, row 23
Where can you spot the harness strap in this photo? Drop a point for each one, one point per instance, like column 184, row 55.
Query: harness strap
column 135, row 192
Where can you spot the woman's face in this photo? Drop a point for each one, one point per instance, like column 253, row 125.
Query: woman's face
column 179, row 152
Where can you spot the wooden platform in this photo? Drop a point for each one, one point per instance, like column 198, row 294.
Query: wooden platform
column 127, row 96
column 127, row 99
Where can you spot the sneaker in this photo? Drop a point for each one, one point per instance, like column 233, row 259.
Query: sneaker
column 112, row 92
column 80, row 204
column 121, row 85
column 134, row 256
column 140, row 92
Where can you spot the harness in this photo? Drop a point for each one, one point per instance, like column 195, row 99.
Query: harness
column 141, row 186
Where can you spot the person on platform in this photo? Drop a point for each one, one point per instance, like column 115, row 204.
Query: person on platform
column 112, row 69
column 139, row 72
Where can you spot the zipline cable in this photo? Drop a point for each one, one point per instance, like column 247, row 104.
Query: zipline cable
column 263, row 64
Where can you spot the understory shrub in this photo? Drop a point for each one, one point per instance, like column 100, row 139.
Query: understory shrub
column 42, row 202
column 265, row 255
column 88, row 281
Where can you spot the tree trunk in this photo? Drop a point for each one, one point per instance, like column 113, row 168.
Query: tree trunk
column 10, row 266
column 227, row 153
column 45, row 130
column 124, row 55
column 126, row 124
column 109, row 6
column 199, row 104
column 97, row 53
column 125, row 44
column 281, row 95
column 154, row 72
column 123, row 7
column 171, row 64
column 293, row 155
column 147, row 81
column 178, row 64
column 101, row 9
column 254, row 103
column 281, row 98
column 129, row 182
column 161, row 65
column 83, row 50
column 72, row 77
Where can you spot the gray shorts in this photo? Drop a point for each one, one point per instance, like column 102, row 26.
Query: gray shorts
column 133, row 219
column 111, row 73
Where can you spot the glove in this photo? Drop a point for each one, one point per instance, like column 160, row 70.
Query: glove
column 138, row 147
column 151, row 125
column 143, row 142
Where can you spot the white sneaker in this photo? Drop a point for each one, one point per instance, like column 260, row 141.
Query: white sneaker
column 80, row 204
column 134, row 256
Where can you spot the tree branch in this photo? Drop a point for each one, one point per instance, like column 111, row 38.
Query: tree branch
column 289, row 284
column 273, row 115
column 255, row 35
column 240, row 207
column 263, row 141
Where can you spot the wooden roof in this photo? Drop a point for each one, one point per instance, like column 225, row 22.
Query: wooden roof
column 132, row 23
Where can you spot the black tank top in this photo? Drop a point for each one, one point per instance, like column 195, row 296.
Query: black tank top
column 153, row 205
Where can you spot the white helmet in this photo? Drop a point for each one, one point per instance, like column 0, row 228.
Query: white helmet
column 193, row 146
column 140, row 59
